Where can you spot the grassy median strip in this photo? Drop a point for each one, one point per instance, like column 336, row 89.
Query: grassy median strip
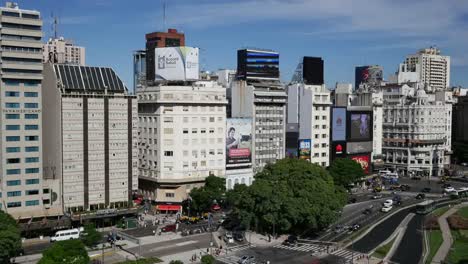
column 435, row 240
column 459, row 249
column 382, row 251
column 440, row 211
column 463, row 212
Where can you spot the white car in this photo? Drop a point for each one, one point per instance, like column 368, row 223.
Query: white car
column 388, row 203
column 386, row 209
column 228, row 238
column 449, row 189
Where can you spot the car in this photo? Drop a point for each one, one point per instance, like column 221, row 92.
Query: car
column 426, row 190
column 354, row 227
column 386, row 209
column 396, row 198
column 367, row 211
column 446, row 185
column 420, row 196
column 339, row 229
column 246, row 260
column 291, row 240
column 405, row 187
column 388, row 203
column 238, row 237
column 395, row 187
column 464, row 164
column 185, row 232
column 228, row 238
column 449, row 189
column 398, row 203
column 377, row 196
column 169, row 228
column 352, row 200
column 377, row 189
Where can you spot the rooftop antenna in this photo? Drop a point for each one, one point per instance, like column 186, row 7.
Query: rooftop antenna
column 54, row 25
column 164, row 15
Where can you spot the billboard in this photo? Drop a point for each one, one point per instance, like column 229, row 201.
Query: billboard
column 368, row 74
column 338, row 124
column 176, row 64
column 364, row 161
column 238, row 142
column 338, row 150
column 359, row 147
column 360, row 126
column 257, row 64
column 304, row 149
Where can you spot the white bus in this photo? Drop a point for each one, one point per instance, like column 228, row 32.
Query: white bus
column 67, row 234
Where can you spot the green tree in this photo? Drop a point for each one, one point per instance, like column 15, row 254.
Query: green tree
column 69, row 251
column 289, row 196
column 208, row 259
column 176, row 262
column 10, row 239
column 91, row 236
column 203, row 197
column 345, row 171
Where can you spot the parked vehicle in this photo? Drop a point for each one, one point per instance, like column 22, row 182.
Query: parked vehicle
column 66, row 234
column 352, row 200
column 405, row 187
column 169, row 228
column 291, row 240
column 238, row 237
column 246, row 260
column 386, row 209
column 449, row 189
column 377, row 196
column 464, row 164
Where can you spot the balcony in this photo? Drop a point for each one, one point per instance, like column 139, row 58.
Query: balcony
column 22, row 43
column 23, row 76
column 21, row 53
column 22, row 65
column 22, row 32
column 21, row 21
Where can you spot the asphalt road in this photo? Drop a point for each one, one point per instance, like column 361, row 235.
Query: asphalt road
column 380, row 233
column 410, row 248
column 189, row 243
column 273, row 255
column 418, row 185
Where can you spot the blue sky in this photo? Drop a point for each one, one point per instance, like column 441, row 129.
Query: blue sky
column 345, row 33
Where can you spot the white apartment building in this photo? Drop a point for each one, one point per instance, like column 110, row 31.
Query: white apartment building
column 416, row 129
column 265, row 103
column 182, row 131
column 61, row 50
column 428, row 66
column 24, row 193
column 309, row 106
column 90, row 139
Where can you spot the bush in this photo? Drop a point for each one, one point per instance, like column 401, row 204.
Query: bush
column 456, row 222
column 208, row 259
column 431, row 223
column 176, row 262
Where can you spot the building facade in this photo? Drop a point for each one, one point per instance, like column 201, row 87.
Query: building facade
column 91, row 139
column 139, row 69
column 460, row 129
column 63, row 51
column 428, row 66
column 309, row 106
column 24, row 191
column 417, row 125
column 182, row 139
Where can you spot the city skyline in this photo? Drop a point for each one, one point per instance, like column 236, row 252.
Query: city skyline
column 342, row 35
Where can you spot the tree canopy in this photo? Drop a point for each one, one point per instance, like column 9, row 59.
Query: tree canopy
column 91, row 236
column 202, row 198
column 10, row 239
column 345, row 171
column 68, row 251
column 289, row 196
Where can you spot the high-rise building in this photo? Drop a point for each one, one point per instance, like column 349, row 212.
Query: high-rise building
column 171, row 38
column 63, row 51
column 417, row 129
column 139, row 69
column 428, row 66
column 372, row 75
column 182, row 139
column 90, row 137
column 24, row 192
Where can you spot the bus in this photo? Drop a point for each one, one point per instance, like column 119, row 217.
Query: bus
column 459, row 193
column 425, row 207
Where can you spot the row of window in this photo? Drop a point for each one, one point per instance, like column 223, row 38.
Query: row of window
column 18, row 204
column 12, row 82
column 18, row 171
column 18, row 160
column 18, row 127
column 26, row 105
column 17, row 94
column 18, row 193
column 18, row 149
column 18, row 138
column 202, row 130
column 18, row 182
column 17, row 116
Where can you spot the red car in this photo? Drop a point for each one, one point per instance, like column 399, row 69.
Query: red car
column 215, row 208
column 169, row 228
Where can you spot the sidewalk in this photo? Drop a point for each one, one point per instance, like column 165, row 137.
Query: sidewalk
column 446, row 234
column 260, row 240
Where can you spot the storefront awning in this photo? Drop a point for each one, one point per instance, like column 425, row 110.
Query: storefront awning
column 168, row 207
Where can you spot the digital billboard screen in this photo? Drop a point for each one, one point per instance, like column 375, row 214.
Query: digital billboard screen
column 238, row 142
column 359, row 147
column 364, row 161
column 338, row 150
column 304, row 149
column 360, row 126
column 338, row 124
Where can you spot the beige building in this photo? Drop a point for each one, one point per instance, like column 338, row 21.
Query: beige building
column 91, row 139
column 63, row 51
column 182, row 139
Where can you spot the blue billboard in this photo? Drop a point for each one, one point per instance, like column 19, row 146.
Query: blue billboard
column 304, row 148
column 339, row 124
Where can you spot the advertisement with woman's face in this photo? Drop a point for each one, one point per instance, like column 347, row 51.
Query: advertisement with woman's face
column 238, row 142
